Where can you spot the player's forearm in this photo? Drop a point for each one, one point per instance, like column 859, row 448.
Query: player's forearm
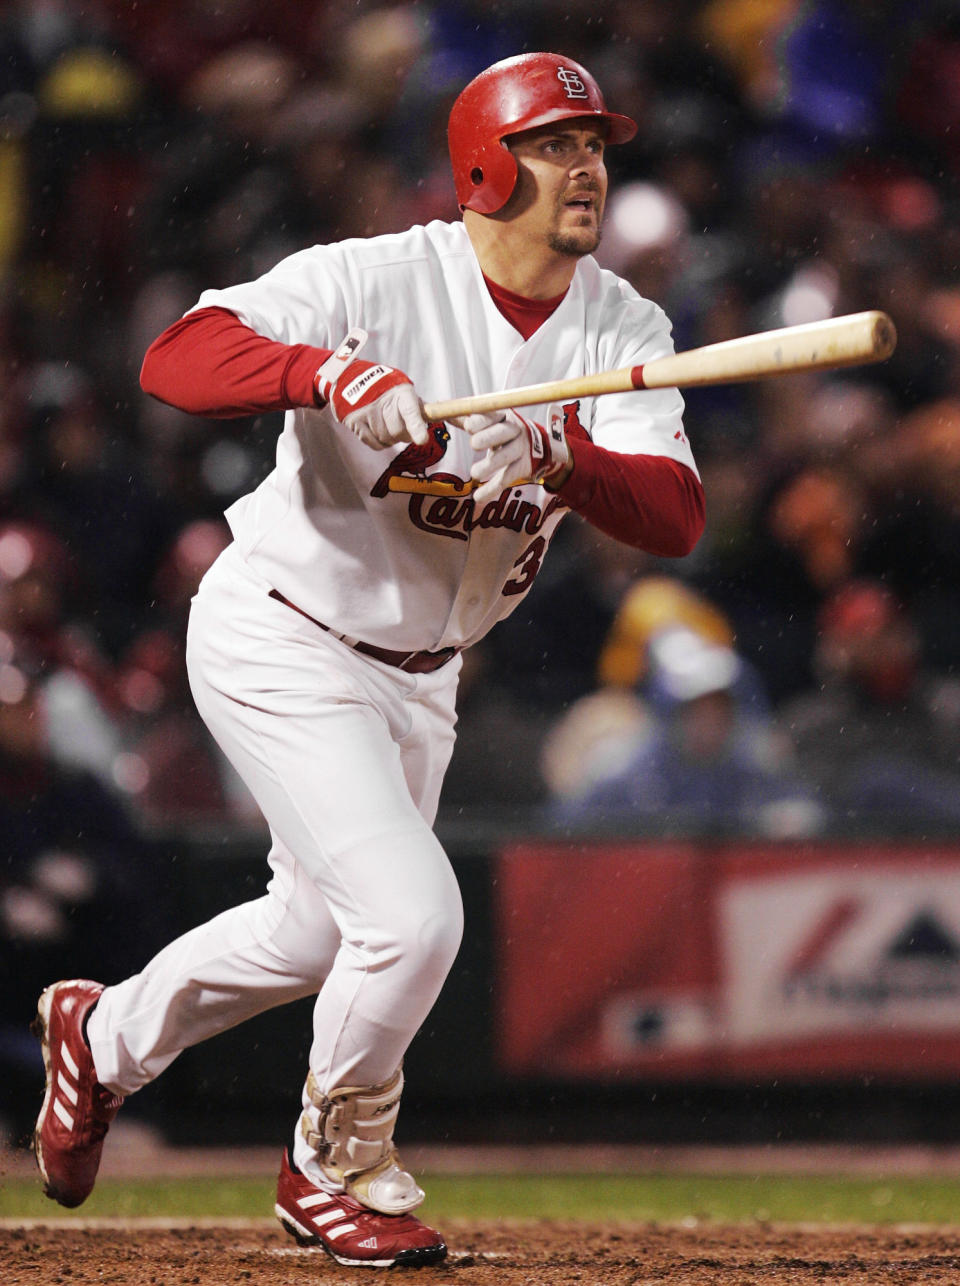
column 209, row 363
column 651, row 502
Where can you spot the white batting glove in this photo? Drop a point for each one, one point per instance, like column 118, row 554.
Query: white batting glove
column 515, row 450
column 378, row 403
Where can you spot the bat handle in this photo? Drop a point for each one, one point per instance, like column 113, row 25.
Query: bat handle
column 619, row 381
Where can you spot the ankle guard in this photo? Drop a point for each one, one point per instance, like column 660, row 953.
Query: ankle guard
column 351, row 1131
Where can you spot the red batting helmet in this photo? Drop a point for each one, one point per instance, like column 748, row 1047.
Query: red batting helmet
column 517, row 94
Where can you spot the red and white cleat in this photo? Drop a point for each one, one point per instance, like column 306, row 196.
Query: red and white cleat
column 349, row 1232
column 77, row 1110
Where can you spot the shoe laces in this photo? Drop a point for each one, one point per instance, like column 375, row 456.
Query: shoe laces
column 105, row 1107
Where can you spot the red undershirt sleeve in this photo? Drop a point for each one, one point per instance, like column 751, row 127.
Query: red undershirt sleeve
column 651, row 502
column 209, row 363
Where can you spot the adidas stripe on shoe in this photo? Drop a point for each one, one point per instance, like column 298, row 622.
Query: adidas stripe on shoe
column 77, row 1110
column 349, row 1232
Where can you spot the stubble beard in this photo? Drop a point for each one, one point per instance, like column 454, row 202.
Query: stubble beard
column 575, row 244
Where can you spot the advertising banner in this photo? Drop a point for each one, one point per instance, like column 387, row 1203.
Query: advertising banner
column 733, row 961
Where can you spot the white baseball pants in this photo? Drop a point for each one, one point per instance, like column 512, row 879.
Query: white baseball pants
column 345, row 757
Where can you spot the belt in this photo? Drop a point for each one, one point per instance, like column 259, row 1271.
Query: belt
column 412, row 662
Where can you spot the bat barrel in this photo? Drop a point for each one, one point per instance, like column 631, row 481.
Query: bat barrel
column 853, row 340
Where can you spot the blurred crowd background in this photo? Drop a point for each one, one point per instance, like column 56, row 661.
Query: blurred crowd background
column 796, row 675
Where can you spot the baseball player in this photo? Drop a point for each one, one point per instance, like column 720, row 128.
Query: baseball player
column 324, row 644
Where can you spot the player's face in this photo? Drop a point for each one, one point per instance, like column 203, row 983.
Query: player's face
column 561, row 186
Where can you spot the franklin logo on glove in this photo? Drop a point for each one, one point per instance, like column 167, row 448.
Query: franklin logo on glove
column 376, row 402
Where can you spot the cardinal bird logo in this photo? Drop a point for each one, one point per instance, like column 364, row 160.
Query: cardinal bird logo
column 571, row 421
column 414, row 460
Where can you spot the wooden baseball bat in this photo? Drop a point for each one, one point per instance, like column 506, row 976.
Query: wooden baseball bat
column 853, row 340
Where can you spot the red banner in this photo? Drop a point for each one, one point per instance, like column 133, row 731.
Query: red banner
column 668, row 959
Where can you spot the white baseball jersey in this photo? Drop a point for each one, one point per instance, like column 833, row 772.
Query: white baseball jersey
column 377, row 544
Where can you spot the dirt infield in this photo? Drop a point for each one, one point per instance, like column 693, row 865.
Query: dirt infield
column 55, row 1251
column 519, row 1254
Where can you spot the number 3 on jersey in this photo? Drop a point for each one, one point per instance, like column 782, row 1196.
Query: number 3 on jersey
column 528, row 565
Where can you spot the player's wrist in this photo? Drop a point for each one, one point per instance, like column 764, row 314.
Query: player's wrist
column 318, row 397
column 549, row 453
column 332, row 371
column 321, row 392
column 556, row 480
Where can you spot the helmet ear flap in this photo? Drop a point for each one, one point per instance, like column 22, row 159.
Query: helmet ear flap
column 492, row 179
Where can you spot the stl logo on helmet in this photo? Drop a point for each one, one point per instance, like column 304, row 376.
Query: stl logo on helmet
column 572, row 84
